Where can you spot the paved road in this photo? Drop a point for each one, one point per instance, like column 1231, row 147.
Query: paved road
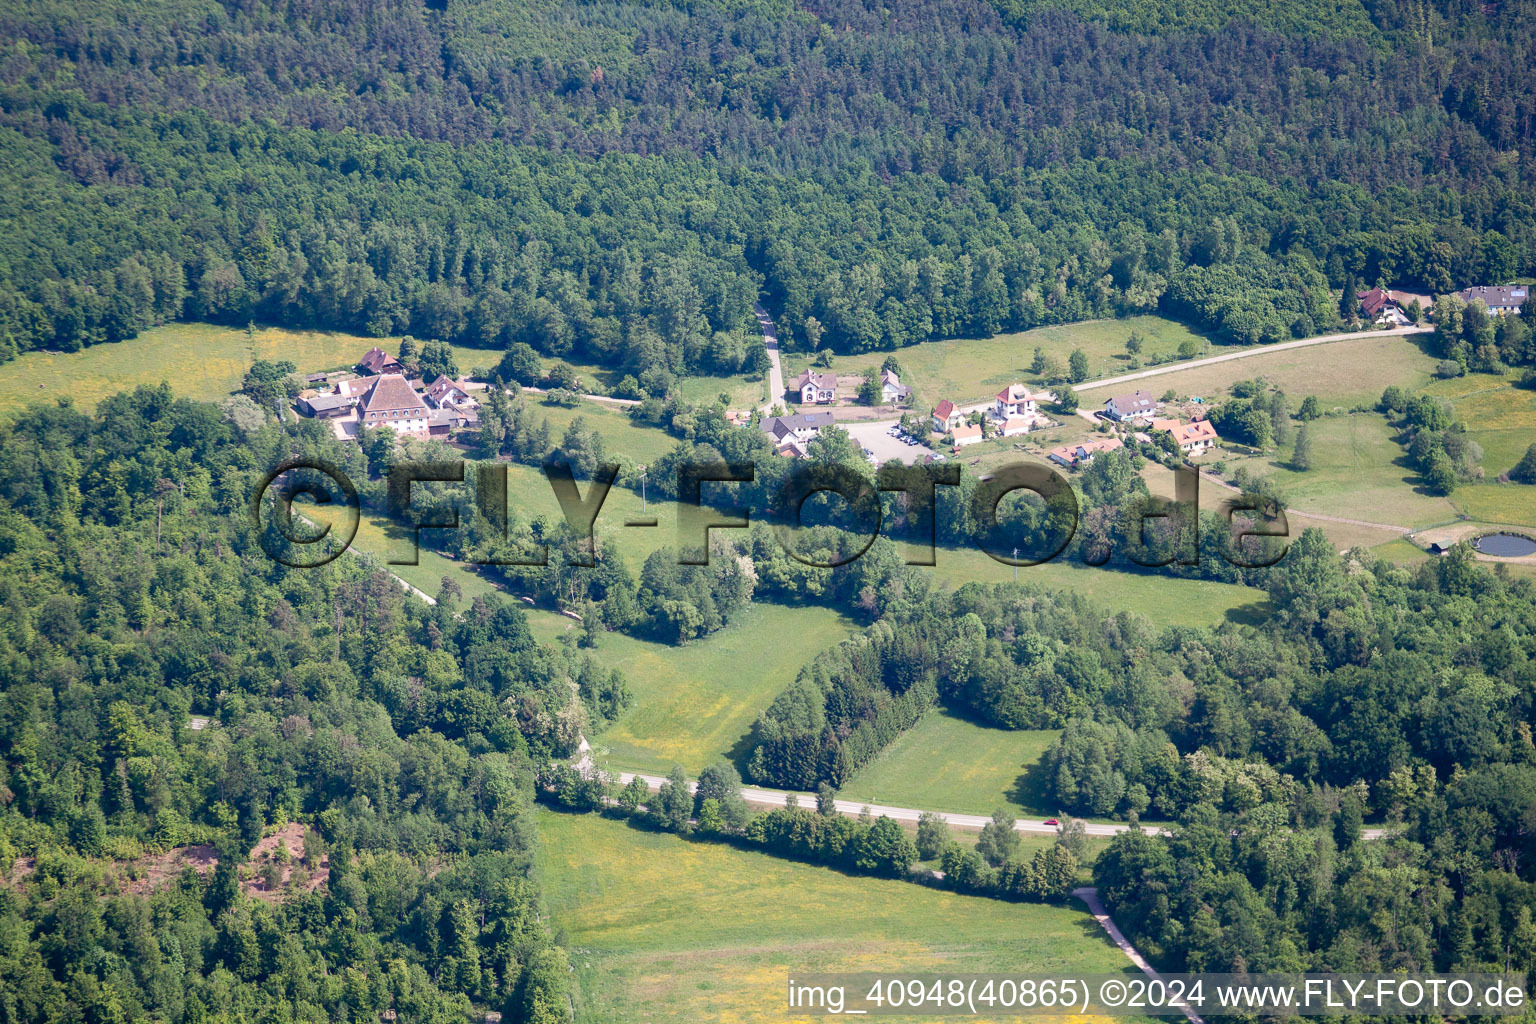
column 1246, row 353
column 775, row 367
column 1089, row 895
column 853, row 808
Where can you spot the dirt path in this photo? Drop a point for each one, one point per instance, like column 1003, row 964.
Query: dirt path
column 1089, row 895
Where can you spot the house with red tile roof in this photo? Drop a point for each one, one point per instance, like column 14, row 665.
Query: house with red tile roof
column 392, row 402
column 1194, row 438
column 1075, row 455
column 377, row 361
column 965, row 434
column 947, row 416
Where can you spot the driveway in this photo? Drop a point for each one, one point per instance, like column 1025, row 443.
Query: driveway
column 877, row 438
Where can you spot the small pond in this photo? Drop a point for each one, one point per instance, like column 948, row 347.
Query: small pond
column 1505, row 545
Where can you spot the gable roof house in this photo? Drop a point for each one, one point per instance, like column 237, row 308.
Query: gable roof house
column 1015, row 425
column 892, row 389
column 816, row 388
column 392, row 402
column 446, row 394
column 1138, row 405
column 1382, row 308
column 1192, row 438
column 790, row 434
column 1504, row 299
column 946, row 416
column 1074, row 455
column 1015, row 400
column 377, row 361
column 965, row 434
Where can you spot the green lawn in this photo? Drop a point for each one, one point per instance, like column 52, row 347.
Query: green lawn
column 663, row 929
column 946, row 763
column 971, row 369
column 621, row 434
column 1341, row 373
column 695, row 704
column 199, row 361
column 1359, row 471
column 383, row 539
column 1502, row 419
column 1164, row 599
column 746, row 391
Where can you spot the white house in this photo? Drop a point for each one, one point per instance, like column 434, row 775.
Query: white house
column 1138, row 405
column 1195, row 438
column 966, row 434
column 1015, row 400
column 1506, row 299
column 946, row 416
column 1382, row 308
column 790, row 434
column 892, row 390
column 816, row 388
column 392, row 402
column 447, row 394
column 1015, row 425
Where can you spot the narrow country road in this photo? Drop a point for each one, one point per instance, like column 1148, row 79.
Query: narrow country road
column 1089, row 895
column 775, row 367
column 853, row 808
column 1322, row 339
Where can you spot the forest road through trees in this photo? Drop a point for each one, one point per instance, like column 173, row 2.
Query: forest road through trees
column 775, row 368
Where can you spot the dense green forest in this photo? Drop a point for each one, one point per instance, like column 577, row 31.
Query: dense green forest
column 619, row 182
column 405, row 737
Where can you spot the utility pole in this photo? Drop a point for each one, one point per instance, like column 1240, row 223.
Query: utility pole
column 1015, row 563
column 642, row 488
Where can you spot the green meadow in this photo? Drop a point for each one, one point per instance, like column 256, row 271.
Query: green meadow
column 971, row 369
column 695, row 704
column 1342, row 374
column 663, row 929
column 946, row 763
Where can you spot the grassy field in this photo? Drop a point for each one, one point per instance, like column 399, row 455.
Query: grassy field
column 1341, row 374
column 663, row 929
column 947, row 763
column 620, row 434
column 745, row 391
column 971, row 369
column 1164, row 600
column 1359, row 471
column 1502, row 419
column 200, row 361
column 695, row 704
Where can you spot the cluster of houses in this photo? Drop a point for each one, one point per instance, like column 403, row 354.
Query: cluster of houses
column 383, row 397
column 1389, row 307
column 1012, row 412
column 821, row 388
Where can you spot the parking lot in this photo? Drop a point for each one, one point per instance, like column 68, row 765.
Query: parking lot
column 878, row 439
